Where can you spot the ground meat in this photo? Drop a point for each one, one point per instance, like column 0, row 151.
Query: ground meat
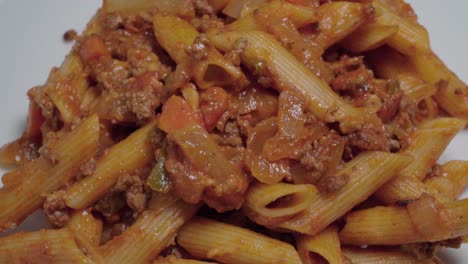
column 207, row 24
column 321, row 157
column 38, row 94
column 369, row 138
column 48, row 153
column 428, row 250
column 56, row 210
column 141, row 61
column 88, row 168
column 110, row 74
column 112, row 21
column 70, row 35
column 119, row 42
column 137, row 102
column 332, row 183
column 135, row 195
column 230, row 136
column 234, row 54
column 198, row 50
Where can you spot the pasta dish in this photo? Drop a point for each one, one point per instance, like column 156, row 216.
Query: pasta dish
column 239, row 132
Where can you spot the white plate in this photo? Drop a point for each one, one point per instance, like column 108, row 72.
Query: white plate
column 31, row 43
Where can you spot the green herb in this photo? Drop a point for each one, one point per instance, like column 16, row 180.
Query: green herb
column 158, row 179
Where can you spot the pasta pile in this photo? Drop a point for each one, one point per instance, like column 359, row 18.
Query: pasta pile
column 242, row 131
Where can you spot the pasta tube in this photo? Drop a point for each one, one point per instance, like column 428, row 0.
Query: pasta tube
column 264, row 53
column 208, row 239
column 325, row 245
column 367, row 172
column 42, row 176
column 153, row 231
column 211, row 70
column 132, row 153
column 46, row 246
column 278, row 202
column 439, row 132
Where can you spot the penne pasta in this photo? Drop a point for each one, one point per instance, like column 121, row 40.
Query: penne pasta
column 323, row 246
column 154, row 230
column 128, row 155
column 208, row 239
column 450, row 179
column 243, row 132
column 87, row 231
column 423, row 220
column 212, row 68
column 265, row 54
column 300, row 16
column 410, row 38
column 367, row 173
column 368, row 37
column 339, row 19
column 45, row 246
column 439, row 131
column 415, row 89
column 278, row 201
column 43, row 176
column 86, row 226
column 452, row 93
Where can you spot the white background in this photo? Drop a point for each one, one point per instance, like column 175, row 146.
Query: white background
column 31, row 43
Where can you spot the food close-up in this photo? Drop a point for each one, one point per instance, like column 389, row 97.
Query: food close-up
column 240, row 132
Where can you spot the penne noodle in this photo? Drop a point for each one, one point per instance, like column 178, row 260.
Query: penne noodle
column 423, row 220
column 410, row 38
column 440, row 132
column 278, row 201
column 211, row 70
column 388, row 63
column 45, row 246
column 367, row 172
column 458, row 210
column 415, row 89
column 153, row 231
column 42, row 176
column 68, row 84
column 451, row 179
column 208, row 239
column 300, row 16
column 339, row 19
column 452, row 93
column 368, row 37
column 85, row 226
column 87, row 231
column 323, row 246
column 130, row 154
column 266, row 55
column 382, row 256
column 379, row 226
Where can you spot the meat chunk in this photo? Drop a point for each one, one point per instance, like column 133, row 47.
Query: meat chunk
column 56, row 210
column 199, row 170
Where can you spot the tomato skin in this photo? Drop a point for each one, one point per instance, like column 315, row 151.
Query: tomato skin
column 214, row 102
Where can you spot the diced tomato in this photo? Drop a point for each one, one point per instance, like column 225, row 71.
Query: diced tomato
column 177, row 114
column 214, row 102
column 92, row 48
